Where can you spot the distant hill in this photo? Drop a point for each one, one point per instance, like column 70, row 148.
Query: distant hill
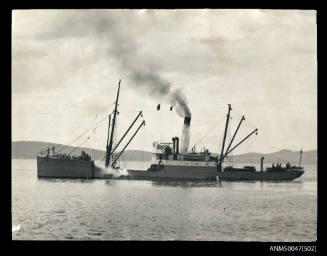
column 282, row 156
column 29, row 150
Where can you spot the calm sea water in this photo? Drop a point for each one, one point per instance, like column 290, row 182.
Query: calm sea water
column 64, row 209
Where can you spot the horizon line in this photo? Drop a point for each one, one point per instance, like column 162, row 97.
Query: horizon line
column 150, row 151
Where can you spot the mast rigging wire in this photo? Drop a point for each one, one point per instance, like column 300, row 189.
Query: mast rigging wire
column 83, row 133
column 79, row 145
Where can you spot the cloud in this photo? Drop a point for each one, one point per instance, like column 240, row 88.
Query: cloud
column 123, row 46
column 255, row 59
column 17, row 55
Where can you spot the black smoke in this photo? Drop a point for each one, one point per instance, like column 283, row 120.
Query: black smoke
column 177, row 98
column 157, row 87
column 118, row 29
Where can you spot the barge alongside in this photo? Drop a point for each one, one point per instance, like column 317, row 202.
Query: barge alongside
column 55, row 165
column 62, row 166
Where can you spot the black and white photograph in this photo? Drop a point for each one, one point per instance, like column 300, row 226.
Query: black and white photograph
column 164, row 125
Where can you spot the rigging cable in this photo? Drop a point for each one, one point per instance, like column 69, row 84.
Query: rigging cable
column 84, row 140
column 60, row 149
column 75, row 139
column 206, row 134
column 79, row 145
column 92, row 128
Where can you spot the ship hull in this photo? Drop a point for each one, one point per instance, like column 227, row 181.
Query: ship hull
column 175, row 173
column 52, row 167
column 261, row 176
column 210, row 173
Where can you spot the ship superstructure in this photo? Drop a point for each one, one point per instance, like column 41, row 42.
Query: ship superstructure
column 174, row 161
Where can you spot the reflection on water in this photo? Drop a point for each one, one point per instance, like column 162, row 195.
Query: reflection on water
column 108, row 181
column 73, row 180
column 81, row 209
column 186, row 183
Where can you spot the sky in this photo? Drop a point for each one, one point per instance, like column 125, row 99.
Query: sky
column 66, row 65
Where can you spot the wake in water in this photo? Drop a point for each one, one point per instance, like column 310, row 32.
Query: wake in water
column 115, row 172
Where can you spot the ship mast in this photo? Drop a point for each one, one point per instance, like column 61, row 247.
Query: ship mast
column 221, row 157
column 228, row 150
column 300, row 158
column 108, row 153
column 121, row 152
column 238, row 127
column 254, row 131
column 107, row 146
column 140, row 114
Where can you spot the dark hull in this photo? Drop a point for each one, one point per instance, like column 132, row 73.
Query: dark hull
column 175, row 173
column 53, row 167
column 210, row 173
column 262, row 176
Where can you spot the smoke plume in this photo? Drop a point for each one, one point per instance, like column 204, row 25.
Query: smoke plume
column 118, row 30
column 157, row 87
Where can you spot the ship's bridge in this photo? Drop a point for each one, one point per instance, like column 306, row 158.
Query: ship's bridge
column 163, row 153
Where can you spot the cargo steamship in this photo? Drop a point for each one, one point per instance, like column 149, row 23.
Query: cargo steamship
column 170, row 160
